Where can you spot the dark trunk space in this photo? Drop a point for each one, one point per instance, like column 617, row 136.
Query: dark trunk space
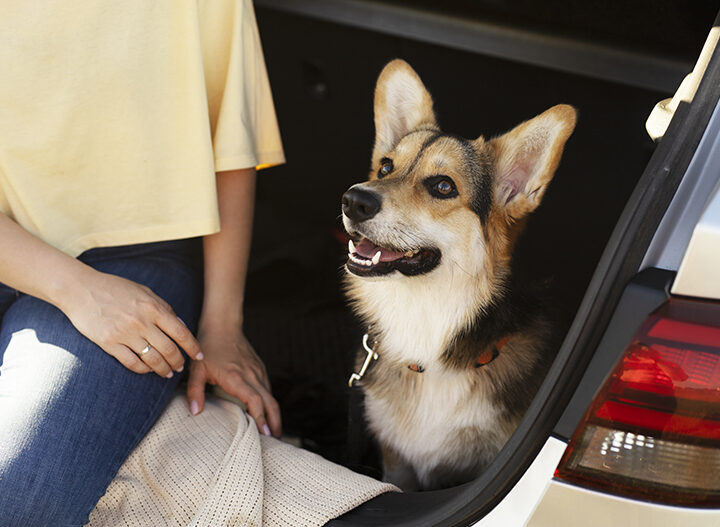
column 323, row 76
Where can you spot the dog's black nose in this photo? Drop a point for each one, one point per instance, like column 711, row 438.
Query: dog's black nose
column 360, row 204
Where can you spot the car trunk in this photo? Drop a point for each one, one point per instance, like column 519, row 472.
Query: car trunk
column 323, row 67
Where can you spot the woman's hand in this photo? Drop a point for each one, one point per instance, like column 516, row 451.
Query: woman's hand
column 232, row 364
column 230, row 361
column 118, row 315
column 123, row 318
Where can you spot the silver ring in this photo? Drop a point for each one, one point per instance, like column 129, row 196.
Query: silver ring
column 144, row 350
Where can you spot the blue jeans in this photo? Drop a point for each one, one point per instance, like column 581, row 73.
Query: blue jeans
column 70, row 414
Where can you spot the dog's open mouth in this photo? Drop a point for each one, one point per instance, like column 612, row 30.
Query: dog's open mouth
column 365, row 258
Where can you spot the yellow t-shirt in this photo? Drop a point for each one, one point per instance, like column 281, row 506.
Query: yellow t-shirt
column 115, row 116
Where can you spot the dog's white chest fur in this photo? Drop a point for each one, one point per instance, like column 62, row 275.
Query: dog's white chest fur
column 416, row 318
column 432, row 424
column 428, row 418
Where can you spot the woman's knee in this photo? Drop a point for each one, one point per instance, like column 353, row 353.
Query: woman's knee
column 69, row 416
column 37, row 453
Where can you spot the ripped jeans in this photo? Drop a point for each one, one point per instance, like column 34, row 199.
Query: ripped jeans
column 70, row 414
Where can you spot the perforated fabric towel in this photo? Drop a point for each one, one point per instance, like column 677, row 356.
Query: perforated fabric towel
column 216, row 470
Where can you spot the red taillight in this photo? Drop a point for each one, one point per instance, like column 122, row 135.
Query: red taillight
column 653, row 429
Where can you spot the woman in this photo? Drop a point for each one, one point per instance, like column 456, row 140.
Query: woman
column 129, row 134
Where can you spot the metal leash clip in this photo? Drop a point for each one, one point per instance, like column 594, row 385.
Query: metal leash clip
column 371, row 355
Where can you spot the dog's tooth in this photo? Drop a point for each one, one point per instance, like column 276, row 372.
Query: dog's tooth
column 351, row 247
column 376, row 258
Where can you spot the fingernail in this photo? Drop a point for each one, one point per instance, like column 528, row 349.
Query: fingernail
column 169, row 375
column 194, row 407
column 266, row 430
column 181, row 320
column 181, row 368
column 199, row 356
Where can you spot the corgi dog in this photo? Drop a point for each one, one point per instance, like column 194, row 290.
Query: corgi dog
column 455, row 348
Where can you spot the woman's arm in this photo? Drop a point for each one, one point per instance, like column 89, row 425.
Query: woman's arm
column 230, row 361
column 120, row 316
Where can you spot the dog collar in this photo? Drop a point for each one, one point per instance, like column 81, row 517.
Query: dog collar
column 485, row 358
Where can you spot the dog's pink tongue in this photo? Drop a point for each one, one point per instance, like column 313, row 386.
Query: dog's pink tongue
column 368, row 249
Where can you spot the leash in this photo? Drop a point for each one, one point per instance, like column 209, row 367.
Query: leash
column 485, row 358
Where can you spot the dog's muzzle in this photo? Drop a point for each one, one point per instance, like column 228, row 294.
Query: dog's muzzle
column 360, row 204
column 376, row 258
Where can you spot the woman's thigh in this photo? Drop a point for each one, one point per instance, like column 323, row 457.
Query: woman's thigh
column 69, row 413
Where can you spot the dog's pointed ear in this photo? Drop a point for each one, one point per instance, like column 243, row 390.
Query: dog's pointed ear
column 402, row 104
column 526, row 159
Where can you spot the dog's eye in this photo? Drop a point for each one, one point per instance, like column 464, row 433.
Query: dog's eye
column 441, row 187
column 386, row 167
column 444, row 188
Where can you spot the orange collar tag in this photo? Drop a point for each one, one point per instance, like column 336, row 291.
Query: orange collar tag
column 487, row 356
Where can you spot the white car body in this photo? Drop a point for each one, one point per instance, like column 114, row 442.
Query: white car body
column 539, row 499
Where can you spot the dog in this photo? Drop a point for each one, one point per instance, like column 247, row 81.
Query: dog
column 455, row 348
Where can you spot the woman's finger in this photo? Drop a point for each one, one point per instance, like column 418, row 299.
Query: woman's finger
column 236, row 386
column 196, row 387
column 272, row 412
column 166, row 347
column 128, row 358
column 258, row 380
column 152, row 357
column 175, row 328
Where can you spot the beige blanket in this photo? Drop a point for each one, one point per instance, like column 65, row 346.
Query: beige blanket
column 216, row 470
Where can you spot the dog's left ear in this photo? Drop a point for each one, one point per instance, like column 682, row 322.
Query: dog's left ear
column 402, row 104
column 526, row 159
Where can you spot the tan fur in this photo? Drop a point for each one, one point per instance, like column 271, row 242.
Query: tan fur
column 446, row 424
column 544, row 137
column 400, row 102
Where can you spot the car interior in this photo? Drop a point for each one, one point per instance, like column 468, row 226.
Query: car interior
column 610, row 60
